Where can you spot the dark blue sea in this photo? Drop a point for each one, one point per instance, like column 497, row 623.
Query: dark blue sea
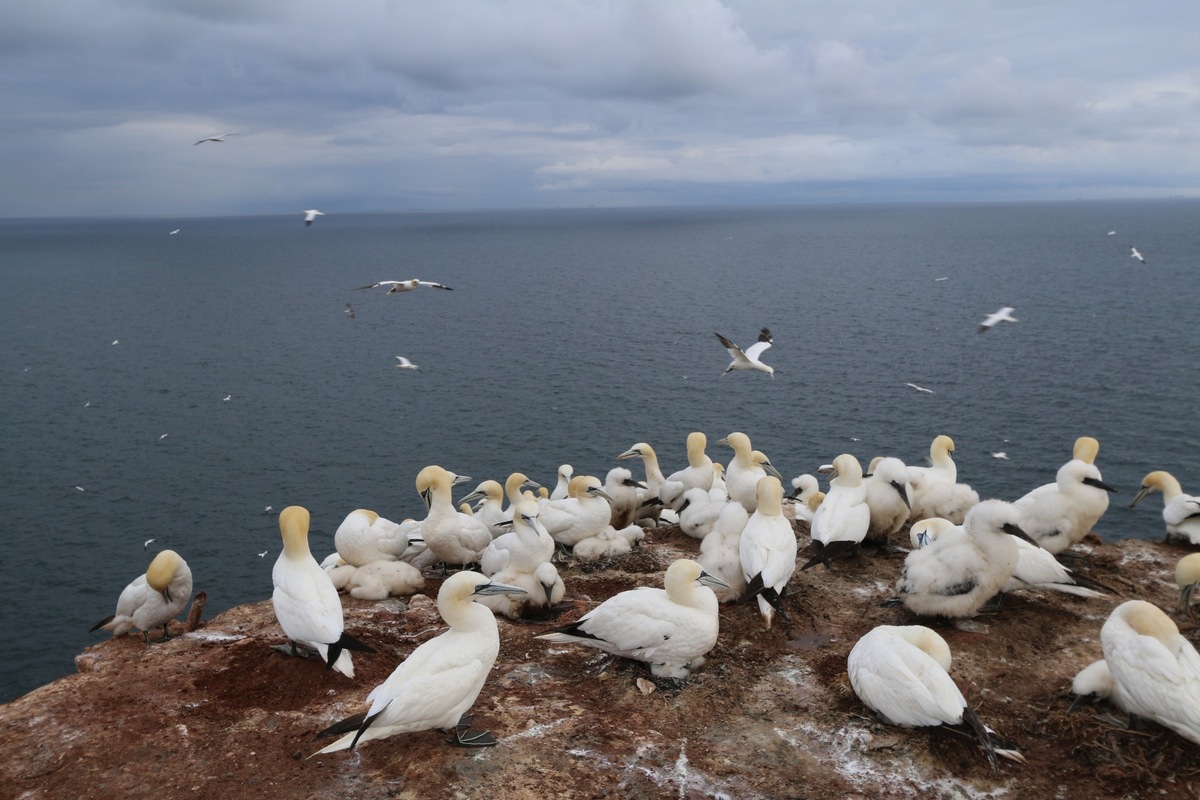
column 569, row 336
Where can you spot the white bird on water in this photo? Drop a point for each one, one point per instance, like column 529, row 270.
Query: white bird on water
column 310, row 215
column 439, row 681
column 306, row 603
column 395, row 287
column 991, row 320
column 1133, row 253
column 751, row 357
column 404, row 363
column 1181, row 512
column 1156, row 669
column 152, row 599
column 902, row 673
column 670, row 629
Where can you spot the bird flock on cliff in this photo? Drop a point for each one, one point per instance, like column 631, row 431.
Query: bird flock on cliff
column 507, row 550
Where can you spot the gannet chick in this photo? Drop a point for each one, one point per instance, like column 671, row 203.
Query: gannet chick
column 543, row 589
column 767, row 550
column 1094, row 684
column 520, row 550
column 720, row 551
column 698, row 513
column 698, row 474
column 803, row 488
column 306, row 603
column 1187, row 577
column 622, row 491
column 1155, row 668
column 751, row 358
column 902, row 674
column 935, row 491
column 1181, row 512
column 583, row 514
column 153, row 598
column 888, row 495
column 745, row 469
column 1060, row 518
column 488, row 499
column 452, row 537
column 958, row 572
column 381, row 579
column 439, row 681
column 839, row 525
column 565, row 472
column 670, row 629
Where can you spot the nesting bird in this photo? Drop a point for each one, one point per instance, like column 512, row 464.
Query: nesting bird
column 306, row 603
column 888, row 496
column 452, row 536
column 1155, row 668
column 902, row 673
column 439, row 681
column 720, row 550
column 1181, row 512
column 841, row 522
column 767, row 550
column 961, row 570
column 1061, row 516
column 584, row 513
column 935, row 490
column 521, row 558
column 670, row 629
column 744, row 470
column 153, row 598
column 698, row 474
column 1094, row 684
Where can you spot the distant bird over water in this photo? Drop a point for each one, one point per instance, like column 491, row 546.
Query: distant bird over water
column 920, row 388
column 395, row 287
column 406, row 364
column 350, row 311
column 1133, row 253
column 310, row 215
column 1003, row 315
column 750, row 358
column 219, row 138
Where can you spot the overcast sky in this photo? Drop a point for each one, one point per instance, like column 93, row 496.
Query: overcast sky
column 371, row 105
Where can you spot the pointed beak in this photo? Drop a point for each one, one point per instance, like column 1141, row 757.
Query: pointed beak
column 714, row 582
column 899, row 487
column 596, row 491
column 1080, row 701
column 486, row 589
column 459, row 479
column 1185, row 598
column 724, row 441
column 166, row 592
column 530, row 484
column 634, row 453
column 922, row 539
column 1099, row 484
column 1140, row 495
column 1015, row 530
column 474, row 497
column 827, row 469
column 427, row 497
column 770, row 468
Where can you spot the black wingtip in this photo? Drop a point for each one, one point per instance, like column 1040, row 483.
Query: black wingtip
column 101, row 623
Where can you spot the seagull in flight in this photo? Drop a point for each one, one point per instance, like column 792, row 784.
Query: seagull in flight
column 921, row 388
column 1133, row 253
column 750, row 357
column 310, row 215
column 395, row 287
column 1003, row 315
column 219, row 138
column 406, row 364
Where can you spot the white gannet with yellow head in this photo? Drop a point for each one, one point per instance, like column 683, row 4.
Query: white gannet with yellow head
column 1061, row 517
column 452, row 536
column 698, row 474
column 488, row 501
column 841, row 522
column 670, row 629
column 1181, row 512
column 584, row 513
column 935, row 490
column 152, row 599
column 565, row 472
column 767, row 550
column 438, row 683
column 745, row 469
column 306, row 604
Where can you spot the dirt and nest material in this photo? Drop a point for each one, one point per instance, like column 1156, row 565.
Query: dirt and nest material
column 771, row 713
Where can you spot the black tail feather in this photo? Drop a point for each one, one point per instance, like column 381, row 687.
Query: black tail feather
column 344, row 726
column 101, row 623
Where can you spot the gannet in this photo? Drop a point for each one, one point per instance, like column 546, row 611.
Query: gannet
column 523, row 548
column 395, row 287
column 153, row 598
column 751, row 357
column 921, row 388
column 719, row 490
column 839, row 525
column 439, row 681
column 306, row 603
column 218, row 138
column 1062, row 516
column 488, row 500
column 349, row 311
column 767, row 550
column 364, row 537
column 720, row 551
column 698, row 513
column 888, row 495
column 697, row 474
column 1003, row 315
column 452, row 537
column 584, row 513
column 1187, row 577
column 1133, row 253
column 622, row 491
column 902, row 673
column 1094, row 684
column 803, row 488
column 1155, row 668
column 1181, row 512
column 935, row 491
column 404, row 363
column 608, row 543
column 310, row 215
column 380, row 579
column 565, row 473
column 670, row 629
column 745, row 469
column 513, row 488
column 172, row 233
column 649, row 503
column 959, row 571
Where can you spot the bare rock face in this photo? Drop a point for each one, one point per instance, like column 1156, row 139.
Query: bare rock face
column 217, row 713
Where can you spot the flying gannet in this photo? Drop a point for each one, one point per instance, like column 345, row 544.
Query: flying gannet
column 395, row 287
column 439, row 681
column 153, row 598
column 670, row 629
column 310, row 215
column 1003, row 315
column 751, row 357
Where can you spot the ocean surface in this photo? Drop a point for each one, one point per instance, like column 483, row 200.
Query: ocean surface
column 171, row 387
